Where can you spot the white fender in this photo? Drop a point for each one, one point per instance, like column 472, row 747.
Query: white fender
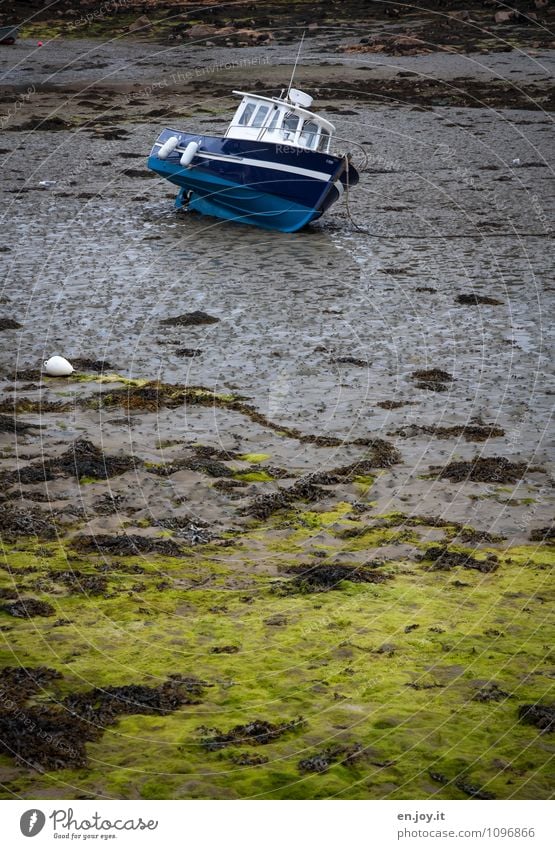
column 58, row 367
column 189, row 154
column 168, row 147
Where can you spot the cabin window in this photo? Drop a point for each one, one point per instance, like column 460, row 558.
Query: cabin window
column 289, row 126
column 260, row 116
column 309, row 134
column 246, row 114
column 274, row 119
column 324, row 141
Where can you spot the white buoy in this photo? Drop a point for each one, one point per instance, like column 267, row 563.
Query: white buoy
column 168, row 147
column 58, row 367
column 189, row 154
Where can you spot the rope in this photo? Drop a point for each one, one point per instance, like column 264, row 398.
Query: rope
column 347, row 187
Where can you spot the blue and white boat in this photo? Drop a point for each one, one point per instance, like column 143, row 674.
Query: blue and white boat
column 273, row 167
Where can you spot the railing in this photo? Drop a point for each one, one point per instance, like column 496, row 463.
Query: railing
column 294, row 141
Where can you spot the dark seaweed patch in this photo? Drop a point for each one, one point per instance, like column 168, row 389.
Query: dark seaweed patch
column 82, row 460
column 11, row 425
column 9, row 324
column 53, row 736
column 309, row 578
column 259, row 732
column 88, row 364
column 444, row 560
column 433, row 379
column 127, row 545
column 546, row 534
column 471, row 432
column 28, row 608
column 472, row 790
column 189, row 319
column 484, row 469
column 542, row 716
column 321, row 761
column 490, row 693
column 471, row 299
column 20, row 522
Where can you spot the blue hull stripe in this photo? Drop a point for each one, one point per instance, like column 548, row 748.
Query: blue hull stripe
column 214, row 195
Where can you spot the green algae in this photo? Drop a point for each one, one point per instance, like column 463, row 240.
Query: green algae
column 253, row 475
column 392, row 668
column 255, row 458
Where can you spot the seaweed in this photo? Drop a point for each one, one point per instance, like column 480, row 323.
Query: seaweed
column 542, row 716
column 310, row 578
column 258, row 732
column 190, row 319
column 484, row 470
column 444, row 559
column 28, row 608
column 127, row 545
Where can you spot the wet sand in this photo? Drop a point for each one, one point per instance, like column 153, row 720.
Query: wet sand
column 317, row 333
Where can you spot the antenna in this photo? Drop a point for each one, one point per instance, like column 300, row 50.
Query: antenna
column 296, row 63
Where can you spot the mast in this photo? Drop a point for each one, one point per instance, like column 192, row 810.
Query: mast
column 295, row 65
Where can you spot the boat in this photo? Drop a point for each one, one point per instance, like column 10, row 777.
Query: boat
column 8, row 34
column 274, row 167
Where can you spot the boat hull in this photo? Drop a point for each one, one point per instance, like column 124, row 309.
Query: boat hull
column 267, row 185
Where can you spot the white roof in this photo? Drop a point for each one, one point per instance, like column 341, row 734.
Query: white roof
column 291, row 106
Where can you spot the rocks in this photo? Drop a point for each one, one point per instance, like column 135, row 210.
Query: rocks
column 142, row 23
column 504, row 16
column 201, row 31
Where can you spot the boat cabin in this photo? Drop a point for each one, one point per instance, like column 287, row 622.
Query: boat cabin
column 281, row 120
